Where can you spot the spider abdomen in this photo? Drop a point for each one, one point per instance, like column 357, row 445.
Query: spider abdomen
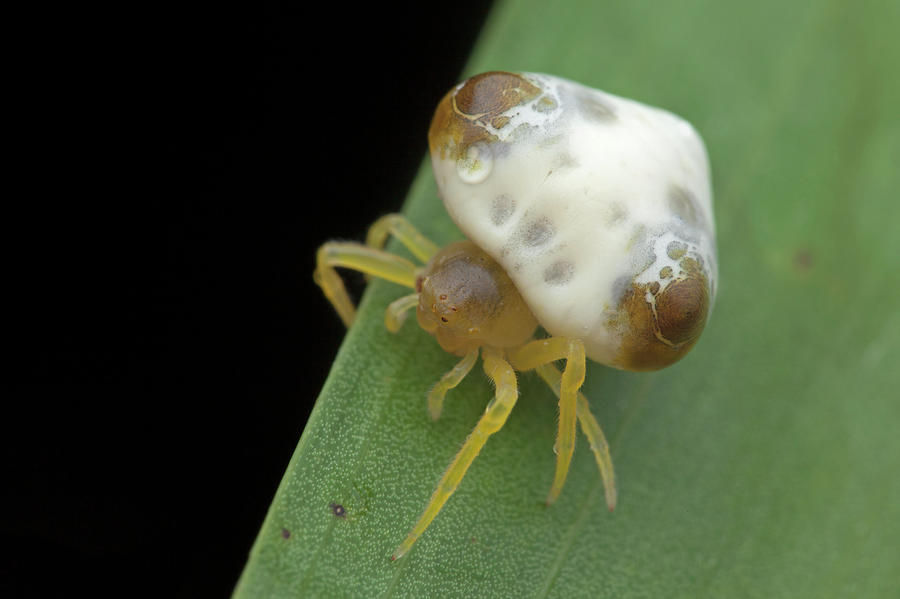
column 598, row 207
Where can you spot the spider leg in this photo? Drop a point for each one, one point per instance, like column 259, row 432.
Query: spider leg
column 397, row 311
column 357, row 257
column 398, row 226
column 544, row 351
column 591, row 429
column 491, row 421
column 449, row 381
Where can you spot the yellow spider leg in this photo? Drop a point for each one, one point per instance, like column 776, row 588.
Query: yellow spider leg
column 449, row 381
column 491, row 421
column 397, row 225
column 357, row 257
column 591, row 429
column 397, row 311
column 543, row 351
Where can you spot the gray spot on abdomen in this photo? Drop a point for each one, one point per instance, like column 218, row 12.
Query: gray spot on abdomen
column 559, row 273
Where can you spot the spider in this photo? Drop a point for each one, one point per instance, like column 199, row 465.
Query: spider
column 587, row 214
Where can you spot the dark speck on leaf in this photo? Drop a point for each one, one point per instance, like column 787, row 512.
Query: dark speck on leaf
column 337, row 510
column 285, row 533
column 803, row 260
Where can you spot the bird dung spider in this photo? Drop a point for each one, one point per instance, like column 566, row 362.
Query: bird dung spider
column 587, row 214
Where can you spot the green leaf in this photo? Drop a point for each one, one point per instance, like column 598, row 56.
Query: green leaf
column 766, row 463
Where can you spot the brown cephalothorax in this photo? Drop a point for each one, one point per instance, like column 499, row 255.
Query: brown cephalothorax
column 468, row 301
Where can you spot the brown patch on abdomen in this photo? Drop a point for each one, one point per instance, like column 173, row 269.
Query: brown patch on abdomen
column 462, row 114
column 661, row 332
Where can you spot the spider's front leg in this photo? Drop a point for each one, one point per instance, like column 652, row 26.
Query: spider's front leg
column 405, row 232
column 359, row 257
column 372, row 260
column 493, row 419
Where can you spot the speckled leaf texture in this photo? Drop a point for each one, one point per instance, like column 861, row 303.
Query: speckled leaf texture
column 766, row 463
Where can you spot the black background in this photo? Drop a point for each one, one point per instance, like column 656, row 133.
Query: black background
column 175, row 170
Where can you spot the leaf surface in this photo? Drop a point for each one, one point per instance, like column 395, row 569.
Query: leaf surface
column 762, row 465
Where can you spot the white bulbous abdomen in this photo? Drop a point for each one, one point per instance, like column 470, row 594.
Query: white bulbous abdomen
column 599, row 208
